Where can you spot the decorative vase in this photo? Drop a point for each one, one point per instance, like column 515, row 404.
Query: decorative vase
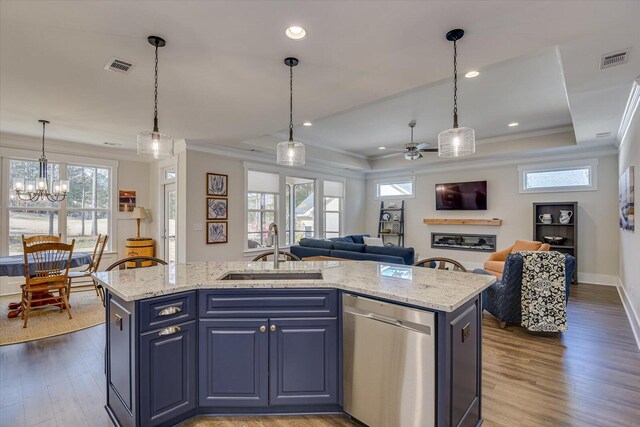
column 565, row 217
column 545, row 218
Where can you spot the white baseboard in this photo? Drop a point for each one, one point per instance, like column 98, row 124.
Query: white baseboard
column 597, row 279
column 634, row 319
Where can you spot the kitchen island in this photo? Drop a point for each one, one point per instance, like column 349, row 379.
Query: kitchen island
column 244, row 338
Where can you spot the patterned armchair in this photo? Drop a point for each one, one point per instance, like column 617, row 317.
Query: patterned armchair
column 502, row 299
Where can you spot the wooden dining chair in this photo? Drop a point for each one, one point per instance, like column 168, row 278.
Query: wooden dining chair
column 93, row 266
column 135, row 262
column 50, row 262
column 288, row 256
column 441, row 264
column 41, row 238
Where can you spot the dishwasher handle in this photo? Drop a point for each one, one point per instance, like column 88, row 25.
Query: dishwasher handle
column 423, row 329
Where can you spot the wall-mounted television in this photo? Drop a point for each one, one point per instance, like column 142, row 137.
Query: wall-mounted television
column 466, row 196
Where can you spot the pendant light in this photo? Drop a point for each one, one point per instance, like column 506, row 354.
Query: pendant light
column 457, row 141
column 154, row 143
column 290, row 153
column 32, row 191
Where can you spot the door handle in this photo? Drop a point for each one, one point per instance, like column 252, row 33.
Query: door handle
column 170, row 330
column 169, row 311
column 118, row 322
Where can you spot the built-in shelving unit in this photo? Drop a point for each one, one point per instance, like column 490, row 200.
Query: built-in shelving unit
column 568, row 231
column 462, row 221
column 394, row 226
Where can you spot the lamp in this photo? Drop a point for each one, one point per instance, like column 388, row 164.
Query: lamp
column 457, row 141
column 154, row 143
column 138, row 213
column 290, row 153
column 39, row 189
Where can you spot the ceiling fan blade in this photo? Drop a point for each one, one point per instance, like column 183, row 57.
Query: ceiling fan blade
column 423, row 145
column 428, row 150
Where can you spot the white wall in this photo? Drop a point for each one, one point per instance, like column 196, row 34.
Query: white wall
column 598, row 234
column 630, row 240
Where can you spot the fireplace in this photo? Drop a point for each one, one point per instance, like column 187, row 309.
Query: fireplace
column 464, row 242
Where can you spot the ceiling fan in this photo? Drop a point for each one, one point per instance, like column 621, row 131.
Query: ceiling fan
column 413, row 150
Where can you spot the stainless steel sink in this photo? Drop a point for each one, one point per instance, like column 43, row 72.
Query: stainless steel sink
column 294, row 275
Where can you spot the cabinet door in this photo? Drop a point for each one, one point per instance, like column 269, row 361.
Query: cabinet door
column 167, row 373
column 303, row 358
column 233, row 363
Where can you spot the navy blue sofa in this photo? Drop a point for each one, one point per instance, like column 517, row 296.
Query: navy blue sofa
column 502, row 299
column 353, row 247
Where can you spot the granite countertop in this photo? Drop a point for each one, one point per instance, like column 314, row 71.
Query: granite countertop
column 441, row 290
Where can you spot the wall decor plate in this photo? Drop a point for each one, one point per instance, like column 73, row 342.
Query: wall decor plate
column 217, row 209
column 217, row 232
column 217, row 184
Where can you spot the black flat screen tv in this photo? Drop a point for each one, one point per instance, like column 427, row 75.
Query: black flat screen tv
column 465, row 196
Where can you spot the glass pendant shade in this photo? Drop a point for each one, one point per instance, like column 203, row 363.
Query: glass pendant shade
column 155, row 145
column 290, row 153
column 456, row 142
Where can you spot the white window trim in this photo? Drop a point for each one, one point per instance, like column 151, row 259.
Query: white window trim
column 339, row 212
column 591, row 164
column 285, row 172
column 395, row 180
column 7, row 154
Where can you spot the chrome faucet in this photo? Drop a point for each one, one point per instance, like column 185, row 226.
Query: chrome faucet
column 273, row 239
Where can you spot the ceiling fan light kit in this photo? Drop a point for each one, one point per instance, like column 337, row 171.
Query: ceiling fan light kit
column 155, row 144
column 290, row 153
column 457, row 141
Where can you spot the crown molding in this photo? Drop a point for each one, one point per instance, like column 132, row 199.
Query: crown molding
column 629, row 111
column 267, row 158
column 57, row 146
column 514, row 137
column 574, row 152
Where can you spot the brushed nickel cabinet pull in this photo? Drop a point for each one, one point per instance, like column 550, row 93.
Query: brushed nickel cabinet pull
column 170, row 330
column 169, row 311
column 273, row 328
column 263, row 328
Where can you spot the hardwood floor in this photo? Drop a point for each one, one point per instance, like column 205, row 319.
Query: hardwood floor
column 589, row 376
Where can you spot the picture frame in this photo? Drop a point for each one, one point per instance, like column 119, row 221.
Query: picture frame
column 217, row 208
column 217, row 232
column 217, row 184
column 126, row 200
column 626, row 199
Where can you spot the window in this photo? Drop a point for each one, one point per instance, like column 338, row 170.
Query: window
column 300, row 208
column 552, row 178
column 88, row 205
column 332, row 208
column 85, row 213
column 395, row 189
column 262, row 206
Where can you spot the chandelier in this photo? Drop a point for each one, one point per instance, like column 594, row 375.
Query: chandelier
column 32, row 191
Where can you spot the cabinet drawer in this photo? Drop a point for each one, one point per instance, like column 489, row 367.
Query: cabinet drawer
column 167, row 310
column 268, row 302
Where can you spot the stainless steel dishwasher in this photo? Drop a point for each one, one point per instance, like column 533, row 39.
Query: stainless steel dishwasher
column 389, row 363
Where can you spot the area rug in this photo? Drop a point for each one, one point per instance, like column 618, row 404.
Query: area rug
column 86, row 309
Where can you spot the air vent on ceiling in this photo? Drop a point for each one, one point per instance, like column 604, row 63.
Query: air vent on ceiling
column 603, row 134
column 612, row 59
column 118, row 65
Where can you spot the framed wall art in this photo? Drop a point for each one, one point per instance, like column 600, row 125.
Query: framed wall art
column 217, row 184
column 217, row 209
column 626, row 200
column 217, row 232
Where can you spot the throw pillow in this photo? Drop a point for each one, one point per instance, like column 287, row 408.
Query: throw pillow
column 373, row 241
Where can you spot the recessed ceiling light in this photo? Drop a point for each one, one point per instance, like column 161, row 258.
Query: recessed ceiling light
column 382, row 148
column 307, row 124
column 296, row 33
column 513, row 124
column 472, row 74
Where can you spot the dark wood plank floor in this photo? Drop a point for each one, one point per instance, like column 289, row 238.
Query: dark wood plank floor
column 589, row 376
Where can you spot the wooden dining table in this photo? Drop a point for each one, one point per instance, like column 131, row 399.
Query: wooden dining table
column 13, row 266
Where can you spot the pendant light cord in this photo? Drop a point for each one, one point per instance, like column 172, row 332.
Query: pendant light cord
column 155, row 95
column 455, row 84
column 291, row 104
column 43, row 125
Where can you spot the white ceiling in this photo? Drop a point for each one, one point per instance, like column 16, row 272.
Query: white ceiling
column 222, row 77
